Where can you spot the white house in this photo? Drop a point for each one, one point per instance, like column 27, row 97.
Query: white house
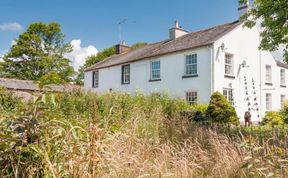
column 193, row 65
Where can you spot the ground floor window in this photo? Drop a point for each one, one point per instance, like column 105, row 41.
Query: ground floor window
column 282, row 100
column 228, row 93
column 268, row 101
column 191, row 97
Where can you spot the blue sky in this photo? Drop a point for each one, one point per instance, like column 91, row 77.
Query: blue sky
column 95, row 22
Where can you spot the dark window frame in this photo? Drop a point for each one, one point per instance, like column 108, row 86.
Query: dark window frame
column 123, row 79
column 94, row 83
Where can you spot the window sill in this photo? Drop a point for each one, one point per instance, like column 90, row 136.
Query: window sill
column 270, row 84
column 155, row 80
column 125, row 83
column 189, row 76
column 283, row 86
column 229, row 76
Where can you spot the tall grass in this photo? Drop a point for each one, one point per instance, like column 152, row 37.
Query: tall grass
column 116, row 135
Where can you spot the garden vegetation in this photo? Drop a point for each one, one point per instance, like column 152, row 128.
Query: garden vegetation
column 82, row 134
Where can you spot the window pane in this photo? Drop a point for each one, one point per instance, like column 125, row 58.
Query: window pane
column 268, row 74
column 228, row 64
column 268, row 101
column 191, row 64
column 155, row 69
column 126, row 74
column 95, row 79
column 191, row 97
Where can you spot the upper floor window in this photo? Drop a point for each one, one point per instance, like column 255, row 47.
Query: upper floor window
column 268, row 74
column 191, row 97
column 191, row 64
column 95, row 79
column 229, row 64
column 268, row 101
column 282, row 100
column 126, row 74
column 282, row 77
column 228, row 93
column 155, row 70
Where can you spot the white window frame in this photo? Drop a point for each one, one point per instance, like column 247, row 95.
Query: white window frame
column 268, row 74
column 191, row 67
column 268, row 101
column 155, row 73
column 228, row 94
column 95, row 79
column 282, row 77
column 125, row 74
column 229, row 57
column 282, row 100
column 192, row 97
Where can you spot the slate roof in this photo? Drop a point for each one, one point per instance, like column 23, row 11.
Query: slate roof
column 189, row 41
column 28, row 85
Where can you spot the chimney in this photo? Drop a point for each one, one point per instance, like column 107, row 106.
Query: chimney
column 176, row 31
column 243, row 8
column 122, row 48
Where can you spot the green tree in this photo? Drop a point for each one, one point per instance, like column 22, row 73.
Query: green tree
column 273, row 15
column 38, row 52
column 221, row 111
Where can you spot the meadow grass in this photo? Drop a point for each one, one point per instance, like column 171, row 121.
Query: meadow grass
column 117, row 135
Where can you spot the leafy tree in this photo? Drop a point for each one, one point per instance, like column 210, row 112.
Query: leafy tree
column 100, row 56
column 38, row 52
column 273, row 15
column 221, row 111
column 107, row 53
column 79, row 80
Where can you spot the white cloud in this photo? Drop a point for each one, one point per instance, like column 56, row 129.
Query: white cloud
column 15, row 27
column 79, row 54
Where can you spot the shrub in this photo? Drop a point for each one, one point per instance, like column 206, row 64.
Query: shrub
column 221, row 111
column 273, row 118
column 8, row 101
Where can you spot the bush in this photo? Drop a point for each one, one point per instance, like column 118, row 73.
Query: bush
column 273, row 118
column 196, row 113
column 221, row 111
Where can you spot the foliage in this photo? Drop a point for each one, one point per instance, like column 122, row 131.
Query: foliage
column 273, row 118
column 220, row 110
column 8, row 101
column 79, row 80
column 273, row 18
column 138, row 45
column 118, row 135
column 100, row 56
column 37, row 52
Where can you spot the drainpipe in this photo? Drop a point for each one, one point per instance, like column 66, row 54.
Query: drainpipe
column 260, row 83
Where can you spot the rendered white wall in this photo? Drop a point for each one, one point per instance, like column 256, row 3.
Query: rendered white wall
column 242, row 43
column 172, row 70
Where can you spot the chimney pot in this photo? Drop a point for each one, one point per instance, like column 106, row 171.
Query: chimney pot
column 122, row 48
column 176, row 31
